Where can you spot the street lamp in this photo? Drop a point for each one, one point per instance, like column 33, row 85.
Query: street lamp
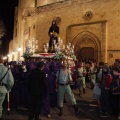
column 19, row 49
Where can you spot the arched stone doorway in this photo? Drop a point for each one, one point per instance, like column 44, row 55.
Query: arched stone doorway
column 87, row 45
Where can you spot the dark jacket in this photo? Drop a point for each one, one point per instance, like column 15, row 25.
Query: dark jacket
column 37, row 82
column 54, row 28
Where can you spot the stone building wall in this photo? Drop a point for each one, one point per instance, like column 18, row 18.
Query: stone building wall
column 87, row 24
column 77, row 17
column 46, row 2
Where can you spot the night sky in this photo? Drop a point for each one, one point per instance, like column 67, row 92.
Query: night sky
column 7, row 10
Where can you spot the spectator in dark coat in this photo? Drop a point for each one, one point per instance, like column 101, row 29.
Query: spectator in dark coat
column 37, row 89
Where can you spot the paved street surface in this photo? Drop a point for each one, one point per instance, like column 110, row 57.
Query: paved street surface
column 87, row 110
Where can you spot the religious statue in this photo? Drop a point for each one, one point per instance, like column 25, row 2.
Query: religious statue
column 53, row 33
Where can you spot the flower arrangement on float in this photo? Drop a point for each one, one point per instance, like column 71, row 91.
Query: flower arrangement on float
column 27, row 55
column 64, row 52
column 32, row 46
column 59, row 56
column 73, row 57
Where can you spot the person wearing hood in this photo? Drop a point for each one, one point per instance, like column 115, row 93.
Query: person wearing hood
column 37, row 89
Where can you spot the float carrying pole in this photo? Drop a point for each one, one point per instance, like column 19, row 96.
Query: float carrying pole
column 8, row 103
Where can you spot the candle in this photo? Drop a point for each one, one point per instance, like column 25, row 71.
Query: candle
column 67, row 47
column 45, row 50
column 36, row 46
column 55, row 46
column 63, row 46
column 59, row 39
column 69, row 44
column 73, row 46
column 72, row 51
column 44, row 46
column 47, row 45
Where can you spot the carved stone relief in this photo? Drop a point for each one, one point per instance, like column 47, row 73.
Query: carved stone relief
column 88, row 15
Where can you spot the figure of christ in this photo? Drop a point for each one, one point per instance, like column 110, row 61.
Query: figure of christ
column 53, row 33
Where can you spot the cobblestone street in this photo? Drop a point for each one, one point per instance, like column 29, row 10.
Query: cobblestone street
column 87, row 110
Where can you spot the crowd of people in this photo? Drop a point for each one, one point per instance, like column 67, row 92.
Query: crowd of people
column 39, row 85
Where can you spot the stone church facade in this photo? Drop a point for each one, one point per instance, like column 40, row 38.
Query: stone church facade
column 92, row 26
